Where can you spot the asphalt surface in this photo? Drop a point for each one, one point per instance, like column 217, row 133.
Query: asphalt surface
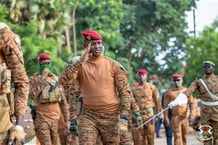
column 191, row 140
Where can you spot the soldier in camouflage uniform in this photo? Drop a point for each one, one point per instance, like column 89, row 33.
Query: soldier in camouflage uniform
column 106, row 93
column 179, row 119
column 50, row 102
column 70, row 139
column 12, row 70
column 126, row 133
column 206, row 87
column 147, row 97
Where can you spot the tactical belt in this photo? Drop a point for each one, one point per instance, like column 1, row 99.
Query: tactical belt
column 147, row 111
column 210, row 103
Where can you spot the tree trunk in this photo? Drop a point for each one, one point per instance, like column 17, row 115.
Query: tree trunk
column 67, row 37
column 74, row 27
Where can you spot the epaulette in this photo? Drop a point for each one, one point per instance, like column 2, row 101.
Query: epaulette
column 117, row 63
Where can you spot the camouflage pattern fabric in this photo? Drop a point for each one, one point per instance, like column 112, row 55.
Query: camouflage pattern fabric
column 71, row 86
column 61, row 131
column 180, row 129
column 36, row 86
column 125, row 137
column 125, row 134
column 74, row 140
column 147, row 97
column 72, row 72
column 179, row 120
column 3, row 138
column 145, row 135
column 10, row 53
column 48, row 114
column 208, row 113
column 46, row 130
column 92, row 125
column 10, row 48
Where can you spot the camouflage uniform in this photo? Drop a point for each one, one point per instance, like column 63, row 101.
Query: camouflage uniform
column 147, row 98
column 208, row 113
column 125, row 133
column 179, row 120
column 47, row 113
column 71, row 138
column 100, row 121
column 11, row 55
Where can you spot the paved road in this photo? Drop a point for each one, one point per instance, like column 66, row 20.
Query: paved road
column 191, row 139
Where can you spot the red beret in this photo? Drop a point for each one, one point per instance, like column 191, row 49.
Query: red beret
column 177, row 76
column 91, row 35
column 135, row 84
column 142, row 71
column 43, row 56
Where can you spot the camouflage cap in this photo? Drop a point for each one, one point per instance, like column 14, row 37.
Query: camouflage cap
column 208, row 62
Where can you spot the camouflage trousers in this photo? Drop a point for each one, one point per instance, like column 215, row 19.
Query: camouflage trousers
column 180, row 128
column 144, row 135
column 93, row 124
column 46, row 130
column 125, row 137
column 3, row 138
column 214, row 125
column 66, row 139
column 125, row 133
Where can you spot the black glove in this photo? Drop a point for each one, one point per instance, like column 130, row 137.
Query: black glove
column 125, row 117
column 136, row 118
column 74, row 127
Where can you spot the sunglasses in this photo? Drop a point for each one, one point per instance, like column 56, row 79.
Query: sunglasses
column 176, row 80
column 44, row 62
column 208, row 66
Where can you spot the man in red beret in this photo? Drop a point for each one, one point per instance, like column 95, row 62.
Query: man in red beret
column 179, row 119
column 106, row 93
column 147, row 97
column 50, row 100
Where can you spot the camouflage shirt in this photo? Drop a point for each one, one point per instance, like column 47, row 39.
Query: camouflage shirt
column 53, row 110
column 11, row 53
column 147, row 96
column 101, row 82
column 181, row 111
column 207, row 112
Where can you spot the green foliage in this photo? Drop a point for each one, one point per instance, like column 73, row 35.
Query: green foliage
column 136, row 33
column 102, row 16
column 201, row 48
column 33, row 44
column 154, row 29
column 3, row 12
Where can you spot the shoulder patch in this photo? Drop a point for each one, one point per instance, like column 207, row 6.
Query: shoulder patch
column 17, row 40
